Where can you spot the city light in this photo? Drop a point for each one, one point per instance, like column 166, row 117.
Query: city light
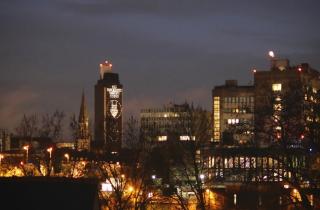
column 1, row 157
column 50, row 151
column 130, row 189
column 26, row 147
column 67, row 156
column 271, row 54
column 201, row 176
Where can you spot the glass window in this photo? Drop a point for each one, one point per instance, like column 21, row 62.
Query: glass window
column 276, row 87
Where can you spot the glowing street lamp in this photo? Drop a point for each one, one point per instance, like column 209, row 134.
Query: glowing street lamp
column 67, row 156
column 130, row 189
column 50, row 151
column 1, row 157
column 27, row 150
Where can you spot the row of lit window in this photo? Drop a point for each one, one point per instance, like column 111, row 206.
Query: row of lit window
column 238, row 110
column 216, row 118
column 182, row 138
column 249, row 99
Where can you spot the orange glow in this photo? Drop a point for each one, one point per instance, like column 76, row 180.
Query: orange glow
column 49, row 149
column 21, row 163
column 26, row 147
column 130, row 189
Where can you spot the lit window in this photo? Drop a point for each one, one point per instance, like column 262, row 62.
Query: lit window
column 162, row 138
column 276, row 87
column 216, row 116
column 187, row 138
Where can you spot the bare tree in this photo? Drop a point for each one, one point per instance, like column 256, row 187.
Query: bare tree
column 28, row 127
column 189, row 165
column 74, row 127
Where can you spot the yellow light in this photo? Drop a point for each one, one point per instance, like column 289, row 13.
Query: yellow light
column 26, row 147
column 130, row 189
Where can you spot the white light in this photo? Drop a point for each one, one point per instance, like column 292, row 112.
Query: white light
column 286, row 186
column 114, row 91
column 153, row 176
column 235, row 199
column 271, row 54
column 106, row 187
column 201, row 176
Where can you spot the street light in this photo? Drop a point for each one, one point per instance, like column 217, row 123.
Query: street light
column 67, row 156
column 50, row 151
column 1, row 157
column 27, row 149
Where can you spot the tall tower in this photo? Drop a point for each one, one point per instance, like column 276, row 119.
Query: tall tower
column 108, row 110
column 83, row 141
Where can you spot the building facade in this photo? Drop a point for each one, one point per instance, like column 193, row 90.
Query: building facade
column 171, row 121
column 108, row 110
column 287, row 103
column 5, row 140
column 233, row 108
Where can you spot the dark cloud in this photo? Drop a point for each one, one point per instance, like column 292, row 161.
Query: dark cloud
column 164, row 50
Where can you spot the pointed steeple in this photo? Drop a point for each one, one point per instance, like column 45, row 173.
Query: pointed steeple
column 83, row 115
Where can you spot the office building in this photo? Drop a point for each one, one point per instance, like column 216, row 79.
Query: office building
column 286, row 101
column 232, row 111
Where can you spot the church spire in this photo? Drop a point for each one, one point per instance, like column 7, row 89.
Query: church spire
column 83, row 141
column 83, row 115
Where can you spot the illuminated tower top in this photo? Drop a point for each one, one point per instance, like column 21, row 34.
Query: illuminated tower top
column 104, row 68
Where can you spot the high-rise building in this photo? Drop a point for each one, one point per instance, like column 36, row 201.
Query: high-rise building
column 108, row 110
column 286, row 101
column 84, row 138
column 282, row 107
column 233, row 108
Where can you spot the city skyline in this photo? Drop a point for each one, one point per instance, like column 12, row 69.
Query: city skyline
column 163, row 51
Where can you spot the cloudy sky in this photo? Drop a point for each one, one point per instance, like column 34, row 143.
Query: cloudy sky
column 164, row 50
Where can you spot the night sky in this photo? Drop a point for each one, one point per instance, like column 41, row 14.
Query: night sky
column 164, row 50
